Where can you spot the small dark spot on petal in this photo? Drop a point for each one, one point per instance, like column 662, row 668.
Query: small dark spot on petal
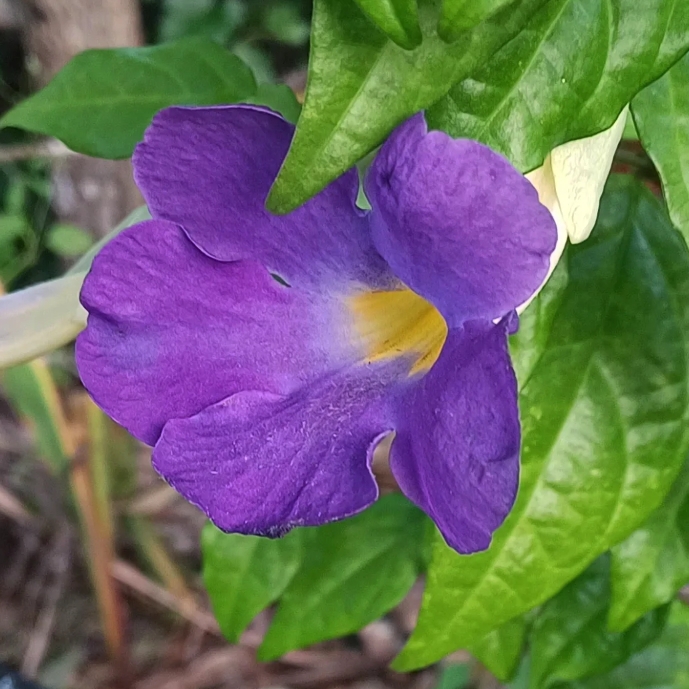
column 281, row 280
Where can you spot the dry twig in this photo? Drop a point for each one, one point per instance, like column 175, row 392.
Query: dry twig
column 153, row 502
column 50, row 149
column 40, row 637
column 12, row 508
column 133, row 579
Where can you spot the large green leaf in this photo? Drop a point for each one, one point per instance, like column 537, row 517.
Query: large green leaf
column 353, row 572
column 454, row 676
column 500, row 649
column 536, row 322
column 604, row 420
column 458, row 16
column 661, row 116
column 361, row 85
column 650, row 566
column 399, row 19
column 570, row 640
column 102, row 100
column 662, row 665
column 245, row 574
column 566, row 76
column 278, row 97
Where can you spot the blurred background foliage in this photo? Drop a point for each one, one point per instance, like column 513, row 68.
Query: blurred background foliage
column 271, row 36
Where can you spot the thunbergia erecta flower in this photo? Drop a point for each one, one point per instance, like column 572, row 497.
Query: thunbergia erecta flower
column 265, row 357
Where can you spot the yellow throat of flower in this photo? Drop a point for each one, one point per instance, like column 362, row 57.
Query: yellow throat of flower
column 399, row 323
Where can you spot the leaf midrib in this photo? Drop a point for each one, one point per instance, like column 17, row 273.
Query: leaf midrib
column 334, row 583
column 537, row 49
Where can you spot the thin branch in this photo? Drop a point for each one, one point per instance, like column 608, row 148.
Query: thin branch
column 133, row 579
column 11, row 15
column 51, row 149
column 40, row 637
column 153, row 501
column 13, row 508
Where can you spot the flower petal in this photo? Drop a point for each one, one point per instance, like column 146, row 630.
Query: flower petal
column 457, row 223
column 171, row 331
column 210, row 170
column 259, row 463
column 456, row 448
column 581, row 169
column 543, row 181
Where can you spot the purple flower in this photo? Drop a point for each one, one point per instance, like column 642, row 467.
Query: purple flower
column 265, row 357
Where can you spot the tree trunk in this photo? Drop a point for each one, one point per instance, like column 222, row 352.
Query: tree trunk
column 91, row 193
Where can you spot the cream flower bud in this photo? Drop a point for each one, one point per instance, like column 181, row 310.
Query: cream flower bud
column 580, row 169
column 570, row 184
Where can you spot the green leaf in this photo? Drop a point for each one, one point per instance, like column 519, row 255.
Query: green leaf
column 102, row 100
column 68, row 240
column 32, row 391
column 458, row 16
column 661, row 115
column 500, row 650
column 278, row 97
column 399, row 19
column 536, row 322
column 662, row 665
column 12, row 227
column 257, row 60
column 630, row 133
column 245, row 574
column 215, row 20
column 353, row 572
column 566, row 76
column 283, row 20
column 569, row 639
column 362, row 84
column 15, row 244
column 604, row 422
column 650, row 566
column 455, row 676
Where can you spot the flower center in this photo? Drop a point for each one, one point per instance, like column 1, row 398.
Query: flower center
column 399, row 323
